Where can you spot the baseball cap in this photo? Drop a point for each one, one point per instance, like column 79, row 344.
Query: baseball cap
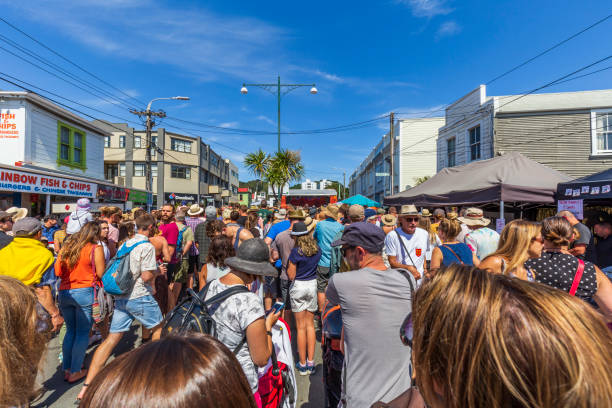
column 26, row 227
column 369, row 213
column 356, row 212
column 363, row 234
column 210, row 212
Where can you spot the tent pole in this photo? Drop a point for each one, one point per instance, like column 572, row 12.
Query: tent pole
column 501, row 209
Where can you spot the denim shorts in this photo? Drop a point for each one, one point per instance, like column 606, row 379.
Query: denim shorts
column 144, row 309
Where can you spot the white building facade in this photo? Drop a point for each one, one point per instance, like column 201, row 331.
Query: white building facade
column 414, row 158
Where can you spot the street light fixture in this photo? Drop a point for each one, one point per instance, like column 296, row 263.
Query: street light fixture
column 148, row 113
column 276, row 89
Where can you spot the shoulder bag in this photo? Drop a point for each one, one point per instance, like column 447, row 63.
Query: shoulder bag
column 404, row 249
column 577, row 278
column 102, row 302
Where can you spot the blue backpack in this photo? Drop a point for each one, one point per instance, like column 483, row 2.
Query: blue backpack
column 118, row 279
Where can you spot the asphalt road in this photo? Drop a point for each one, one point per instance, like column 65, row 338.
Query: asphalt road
column 61, row 394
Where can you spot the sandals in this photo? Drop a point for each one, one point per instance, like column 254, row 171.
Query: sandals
column 79, row 397
column 78, row 376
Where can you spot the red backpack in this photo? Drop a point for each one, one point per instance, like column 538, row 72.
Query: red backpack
column 276, row 386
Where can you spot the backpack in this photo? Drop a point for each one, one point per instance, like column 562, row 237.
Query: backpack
column 192, row 315
column 118, row 279
column 179, row 241
column 335, row 261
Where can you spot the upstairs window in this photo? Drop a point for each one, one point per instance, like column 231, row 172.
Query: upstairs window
column 154, row 170
column 70, row 146
column 602, row 133
column 122, row 142
column 180, row 172
column 106, row 141
column 139, row 169
column 474, row 143
column 179, row 145
column 450, row 152
column 121, row 169
column 137, row 142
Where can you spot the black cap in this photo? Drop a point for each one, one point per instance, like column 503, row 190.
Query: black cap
column 299, row 228
column 363, row 234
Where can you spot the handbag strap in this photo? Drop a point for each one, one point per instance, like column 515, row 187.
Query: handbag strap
column 93, row 266
column 404, row 247
column 456, row 256
column 577, row 278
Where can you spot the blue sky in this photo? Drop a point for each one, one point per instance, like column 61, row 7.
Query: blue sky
column 366, row 58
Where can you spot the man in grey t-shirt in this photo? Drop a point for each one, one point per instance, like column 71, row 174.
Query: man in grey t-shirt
column 580, row 245
column 374, row 301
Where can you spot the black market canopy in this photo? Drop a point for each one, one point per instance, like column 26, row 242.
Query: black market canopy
column 511, row 178
column 593, row 188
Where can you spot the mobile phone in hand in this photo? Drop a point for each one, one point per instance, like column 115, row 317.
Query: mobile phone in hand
column 278, row 306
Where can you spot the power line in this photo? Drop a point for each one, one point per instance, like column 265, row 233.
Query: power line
column 68, row 60
column 549, row 49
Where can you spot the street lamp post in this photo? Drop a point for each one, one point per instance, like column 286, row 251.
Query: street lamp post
column 150, row 123
column 276, row 89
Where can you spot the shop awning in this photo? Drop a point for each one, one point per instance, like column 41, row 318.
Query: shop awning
column 361, row 200
column 509, row 178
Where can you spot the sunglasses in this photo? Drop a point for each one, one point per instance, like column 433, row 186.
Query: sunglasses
column 407, row 331
column 538, row 239
column 411, row 219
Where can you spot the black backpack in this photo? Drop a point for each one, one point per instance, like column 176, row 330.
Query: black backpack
column 191, row 315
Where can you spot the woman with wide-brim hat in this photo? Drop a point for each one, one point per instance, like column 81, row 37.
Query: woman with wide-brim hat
column 241, row 316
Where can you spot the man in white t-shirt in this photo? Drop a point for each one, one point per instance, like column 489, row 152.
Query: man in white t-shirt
column 406, row 246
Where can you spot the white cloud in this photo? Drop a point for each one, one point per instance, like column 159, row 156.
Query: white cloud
column 448, row 29
column 266, row 119
column 202, row 43
column 427, row 8
column 229, row 124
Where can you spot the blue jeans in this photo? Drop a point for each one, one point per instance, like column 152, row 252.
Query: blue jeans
column 608, row 272
column 76, row 308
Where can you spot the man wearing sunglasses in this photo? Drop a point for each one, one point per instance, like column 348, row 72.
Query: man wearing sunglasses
column 374, row 301
column 405, row 246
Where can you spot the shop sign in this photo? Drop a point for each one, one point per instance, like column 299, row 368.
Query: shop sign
column 574, row 206
column 14, row 180
column 181, row 197
column 137, row 196
column 112, row 193
column 243, row 189
column 12, row 135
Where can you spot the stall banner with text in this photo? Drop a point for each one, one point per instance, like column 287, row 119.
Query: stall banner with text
column 575, row 206
column 13, row 180
column 12, row 135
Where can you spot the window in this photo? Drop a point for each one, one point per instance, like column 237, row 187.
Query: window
column 204, row 152
column 121, row 169
column 602, row 132
column 137, row 142
column 214, row 160
column 180, row 172
column 71, row 146
column 474, row 143
column 139, row 169
column 122, row 142
column 154, row 141
column 106, row 141
column 203, row 176
column 179, row 145
column 450, row 152
column 154, row 170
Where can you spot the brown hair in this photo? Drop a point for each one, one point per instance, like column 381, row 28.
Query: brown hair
column 145, row 221
column 219, row 250
column 557, row 230
column 22, row 345
column 450, row 228
column 214, row 227
column 489, row 340
column 126, row 231
column 251, row 221
column 109, row 211
column 71, row 250
column 194, row 370
column 306, row 244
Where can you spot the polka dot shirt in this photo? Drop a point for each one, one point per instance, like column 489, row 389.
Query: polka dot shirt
column 558, row 270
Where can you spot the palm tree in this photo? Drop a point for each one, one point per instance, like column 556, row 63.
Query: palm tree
column 257, row 163
column 285, row 166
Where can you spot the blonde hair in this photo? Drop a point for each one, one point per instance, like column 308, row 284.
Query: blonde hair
column 22, row 345
column 487, row 340
column 450, row 228
column 425, row 223
column 514, row 242
column 306, row 244
column 109, row 211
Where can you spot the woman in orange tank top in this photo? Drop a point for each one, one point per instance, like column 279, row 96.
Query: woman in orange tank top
column 79, row 264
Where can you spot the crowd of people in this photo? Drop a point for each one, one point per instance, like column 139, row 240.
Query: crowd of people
column 431, row 306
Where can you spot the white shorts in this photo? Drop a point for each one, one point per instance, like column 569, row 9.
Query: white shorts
column 303, row 296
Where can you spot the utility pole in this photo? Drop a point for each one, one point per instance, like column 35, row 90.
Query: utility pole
column 344, row 185
column 392, row 147
column 277, row 89
column 150, row 123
